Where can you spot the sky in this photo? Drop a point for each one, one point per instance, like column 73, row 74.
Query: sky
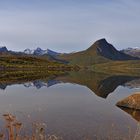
column 68, row 25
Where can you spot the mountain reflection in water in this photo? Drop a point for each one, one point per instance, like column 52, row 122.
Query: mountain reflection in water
column 135, row 114
column 101, row 84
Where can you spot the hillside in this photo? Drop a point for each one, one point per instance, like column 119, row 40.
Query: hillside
column 27, row 62
column 100, row 52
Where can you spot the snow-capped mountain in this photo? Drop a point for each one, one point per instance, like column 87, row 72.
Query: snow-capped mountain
column 28, row 51
column 132, row 51
column 38, row 51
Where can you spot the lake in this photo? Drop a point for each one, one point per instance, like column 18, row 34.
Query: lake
column 74, row 106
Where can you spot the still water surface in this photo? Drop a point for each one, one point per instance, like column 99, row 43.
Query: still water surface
column 71, row 107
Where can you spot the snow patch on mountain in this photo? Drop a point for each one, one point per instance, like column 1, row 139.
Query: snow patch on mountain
column 38, row 51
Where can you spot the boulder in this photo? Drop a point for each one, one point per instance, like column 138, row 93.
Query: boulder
column 132, row 101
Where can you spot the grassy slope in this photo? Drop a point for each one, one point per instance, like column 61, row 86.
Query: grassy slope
column 84, row 58
column 119, row 67
column 101, row 64
column 24, row 62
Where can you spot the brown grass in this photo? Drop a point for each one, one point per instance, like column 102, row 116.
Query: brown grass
column 13, row 130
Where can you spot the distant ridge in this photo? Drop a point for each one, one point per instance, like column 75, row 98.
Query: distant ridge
column 132, row 51
column 39, row 52
column 99, row 52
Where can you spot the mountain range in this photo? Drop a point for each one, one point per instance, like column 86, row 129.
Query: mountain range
column 36, row 52
column 39, row 52
column 99, row 52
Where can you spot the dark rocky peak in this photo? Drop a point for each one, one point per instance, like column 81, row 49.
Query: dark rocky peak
column 3, row 49
column 102, row 45
column 107, row 50
column 101, row 42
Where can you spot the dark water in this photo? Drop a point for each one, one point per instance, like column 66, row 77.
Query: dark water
column 76, row 106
